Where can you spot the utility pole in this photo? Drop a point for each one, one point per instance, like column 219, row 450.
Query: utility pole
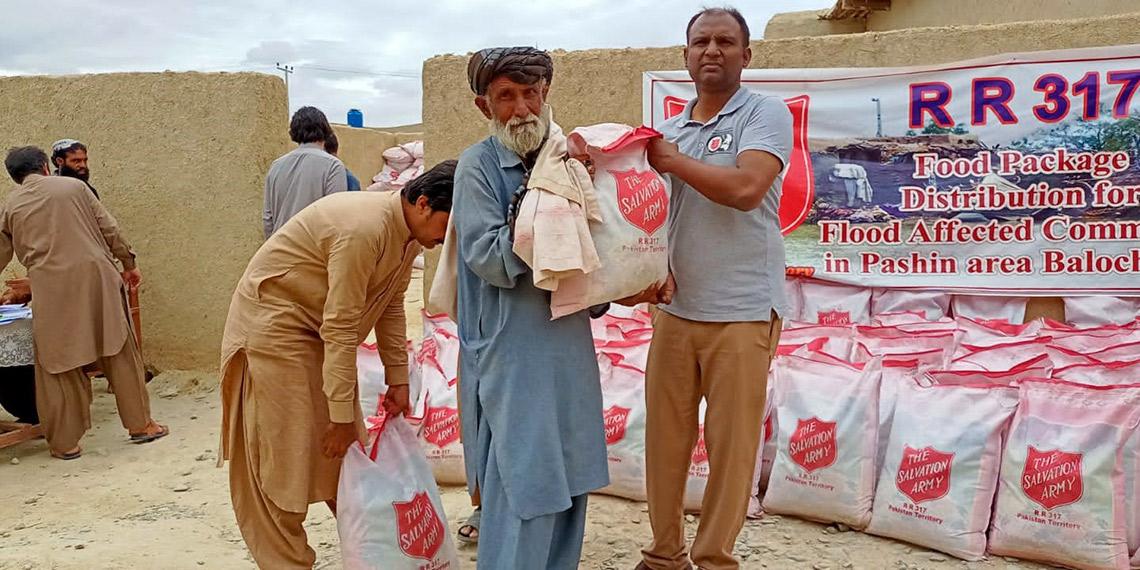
column 287, row 70
column 878, row 116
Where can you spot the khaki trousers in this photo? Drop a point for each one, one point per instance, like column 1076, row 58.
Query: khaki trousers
column 275, row 537
column 727, row 365
column 64, row 400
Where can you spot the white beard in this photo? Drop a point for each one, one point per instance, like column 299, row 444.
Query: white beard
column 523, row 136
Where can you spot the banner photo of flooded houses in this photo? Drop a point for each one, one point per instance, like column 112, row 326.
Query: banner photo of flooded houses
column 1017, row 172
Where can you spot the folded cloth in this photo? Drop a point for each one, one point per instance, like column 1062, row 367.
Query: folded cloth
column 632, row 240
column 552, row 231
column 442, row 297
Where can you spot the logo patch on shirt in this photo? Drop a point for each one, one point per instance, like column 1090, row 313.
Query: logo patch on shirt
column 718, row 143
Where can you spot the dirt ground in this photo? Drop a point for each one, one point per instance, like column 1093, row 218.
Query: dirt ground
column 165, row 505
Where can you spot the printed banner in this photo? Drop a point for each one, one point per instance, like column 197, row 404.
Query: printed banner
column 1016, row 173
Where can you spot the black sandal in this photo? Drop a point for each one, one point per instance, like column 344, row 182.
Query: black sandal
column 162, row 432
column 68, row 456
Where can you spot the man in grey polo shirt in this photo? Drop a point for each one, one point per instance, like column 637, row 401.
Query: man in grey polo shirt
column 725, row 155
column 304, row 175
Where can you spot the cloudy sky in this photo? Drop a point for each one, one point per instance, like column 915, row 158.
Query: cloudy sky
column 347, row 53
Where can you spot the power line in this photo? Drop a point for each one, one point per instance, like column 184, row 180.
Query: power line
column 359, row 72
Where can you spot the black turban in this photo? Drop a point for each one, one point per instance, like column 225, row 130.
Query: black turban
column 524, row 65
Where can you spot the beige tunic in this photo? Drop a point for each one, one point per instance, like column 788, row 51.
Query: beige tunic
column 69, row 242
column 308, row 298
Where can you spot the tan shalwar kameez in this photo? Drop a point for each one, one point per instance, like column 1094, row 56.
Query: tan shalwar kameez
column 308, row 298
column 69, row 242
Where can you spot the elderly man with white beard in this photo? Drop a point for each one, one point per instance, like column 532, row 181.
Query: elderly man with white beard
column 531, row 417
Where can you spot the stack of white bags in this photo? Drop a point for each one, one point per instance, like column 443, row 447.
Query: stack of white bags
column 959, row 434
column 402, row 164
column 902, row 417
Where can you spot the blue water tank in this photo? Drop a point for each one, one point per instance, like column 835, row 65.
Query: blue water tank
column 355, row 118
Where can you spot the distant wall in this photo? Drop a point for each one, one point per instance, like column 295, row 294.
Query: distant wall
column 925, row 13
column 906, row 14
column 362, row 149
column 605, row 85
column 807, row 23
column 180, row 160
column 416, row 128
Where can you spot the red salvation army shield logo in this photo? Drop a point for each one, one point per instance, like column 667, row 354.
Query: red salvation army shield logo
column 700, row 451
column 641, row 198
column 924, row 474
column 441, row 426
column 834, row 318
column 1052, row 478
column 420, row 532
column 674, row 106
column 721, row 142
column 812, row 446
column 799, row 178
column 428, row 350
column 616, row 419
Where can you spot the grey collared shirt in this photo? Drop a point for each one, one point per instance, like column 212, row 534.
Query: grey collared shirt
column 728, row 264
column 298, row 179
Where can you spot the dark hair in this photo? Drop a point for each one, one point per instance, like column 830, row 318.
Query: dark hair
column 436, row 185
column 309, row 124
column 25, row 160
column 63, row 152
column 332, row 144
column 736, row 15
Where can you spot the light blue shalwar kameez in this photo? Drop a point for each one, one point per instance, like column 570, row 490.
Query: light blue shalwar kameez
column 531, row 403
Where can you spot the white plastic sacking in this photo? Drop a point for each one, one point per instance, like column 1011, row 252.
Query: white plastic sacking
column 825, row 449
column 831, row 304
column 937, row 483
column 1061, row 492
